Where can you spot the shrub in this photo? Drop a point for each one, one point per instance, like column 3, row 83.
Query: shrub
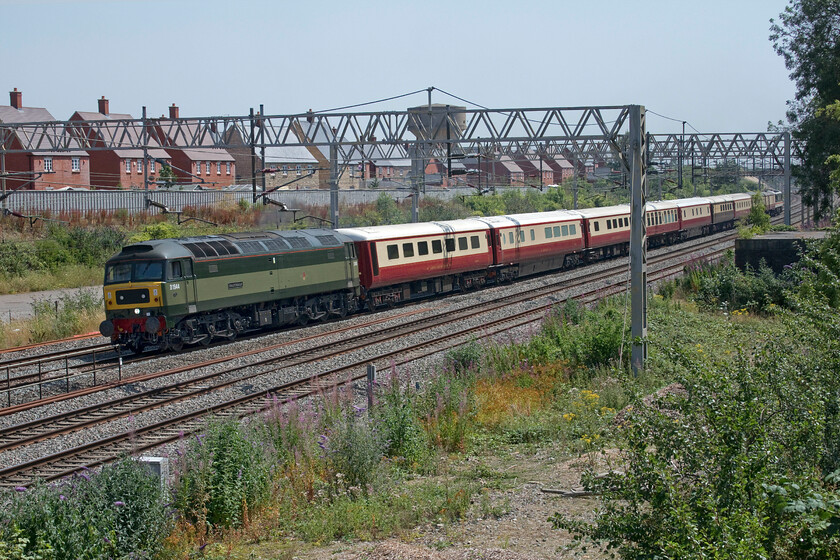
column 116, row 513
column 396, row 413
column 221, row 476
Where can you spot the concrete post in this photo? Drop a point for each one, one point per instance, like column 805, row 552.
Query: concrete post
column 638, row 250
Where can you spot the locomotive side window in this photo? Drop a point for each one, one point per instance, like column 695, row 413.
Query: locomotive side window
column 175, row 269
column 408, row 250
column 422, row 248
column 462, row 244
column 437, row 247
column 187, row 269
column 393, row 252
column 450, row 244
column 474, row 241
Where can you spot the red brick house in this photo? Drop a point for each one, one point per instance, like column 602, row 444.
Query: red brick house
column 119, row 168
column 536, row 171
column 210, row 166
column 40, row 170
column 560, row 167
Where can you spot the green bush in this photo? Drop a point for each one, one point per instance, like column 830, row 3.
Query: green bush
column 64, row 317
column 396, row 413
column 221, row 476
column 118, row 512
column 743, row 461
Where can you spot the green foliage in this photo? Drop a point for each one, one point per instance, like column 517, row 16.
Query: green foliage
column 818, row 272
column 758, row 218
column 584, row 337
column 741, row 461
column 806, row 36
column 116, row 513
column 447, row 408
column 66, row 316
column 397, row 416
column 160, row 230
column 221, row 477
column 725, row 287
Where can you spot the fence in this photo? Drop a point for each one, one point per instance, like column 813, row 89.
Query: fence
column 133, row 201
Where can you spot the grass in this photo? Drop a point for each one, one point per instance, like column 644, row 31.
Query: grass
column 71, row 314
column 71, row 276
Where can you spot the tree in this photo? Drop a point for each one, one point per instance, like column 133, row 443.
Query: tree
column 167, row 177
column 807, row 36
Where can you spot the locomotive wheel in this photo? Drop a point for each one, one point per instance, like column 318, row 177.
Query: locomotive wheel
column 205, row 341
column 176, row 344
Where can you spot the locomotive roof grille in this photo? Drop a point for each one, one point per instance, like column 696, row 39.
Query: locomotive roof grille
column 298, row 242
column 137, row 249
column 327, row 240
column 276, row 245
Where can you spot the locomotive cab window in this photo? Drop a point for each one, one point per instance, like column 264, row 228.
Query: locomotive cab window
column 145, row 271
column 175, row 269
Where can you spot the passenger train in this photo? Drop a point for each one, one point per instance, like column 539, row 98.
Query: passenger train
column 171, row 292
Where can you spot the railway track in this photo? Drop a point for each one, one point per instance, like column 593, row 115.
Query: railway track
column 64, row 462
column 59, row 464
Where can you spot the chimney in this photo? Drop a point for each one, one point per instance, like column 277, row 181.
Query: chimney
column 16, row 98
column 173, row 111
column 310, row 116
column 103, row 105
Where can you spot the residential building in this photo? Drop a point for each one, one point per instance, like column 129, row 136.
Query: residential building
column 204, row 165
column 119, row 167
column 42, row 169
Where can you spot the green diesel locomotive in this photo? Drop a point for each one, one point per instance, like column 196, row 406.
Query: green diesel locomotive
column 171, row 292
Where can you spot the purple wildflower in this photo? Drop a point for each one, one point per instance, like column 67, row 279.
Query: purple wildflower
column 20, row 489
column 62, row 497
column 119, row 503
column 85, row 476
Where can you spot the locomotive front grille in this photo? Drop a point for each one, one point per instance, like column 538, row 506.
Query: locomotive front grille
column 132, row 297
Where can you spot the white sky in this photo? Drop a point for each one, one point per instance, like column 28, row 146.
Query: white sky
column 709, row 63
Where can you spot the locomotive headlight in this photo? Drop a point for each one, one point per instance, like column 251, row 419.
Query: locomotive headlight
column 137, row 311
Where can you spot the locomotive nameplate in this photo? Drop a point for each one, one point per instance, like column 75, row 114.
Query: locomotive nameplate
column 234, row 285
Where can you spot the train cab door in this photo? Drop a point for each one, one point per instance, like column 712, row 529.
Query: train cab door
column 181, row 287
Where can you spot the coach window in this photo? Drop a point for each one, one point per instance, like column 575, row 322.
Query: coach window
column 462, row 244
column 565, row 231
column 393, row 252
column 626, row 222
column 558, row 234
column 408, row 250
column 573, row 229
column 548, row 233
column 609, row 224
column 510, row 237
column 533, row 236
column 596, row 226
column 437, row 246
column 475, row 242
column 422, row 248
column 521, row 236
column 450, row 244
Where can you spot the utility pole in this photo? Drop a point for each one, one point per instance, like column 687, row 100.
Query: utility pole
column 680, row 156
column 253, row 157
column 262, row 148
column 145, row 140
column 334, row 184
column 3, row 176
column 638, row 251
column 787, row 178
